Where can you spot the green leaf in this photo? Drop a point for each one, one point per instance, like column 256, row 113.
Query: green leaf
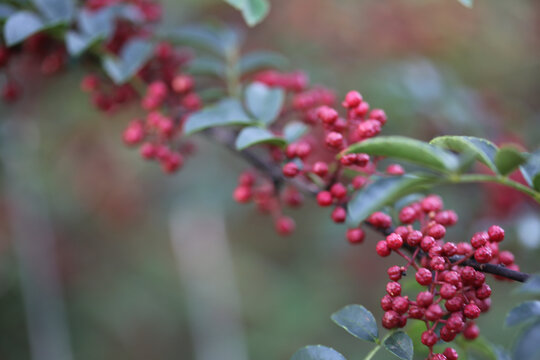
column 400, row 344
column 220, row 41
column 133, row 57
column 294, row 131
column 22, row 25
column 259, row 60
column 357, row 321
column 317, row 352
column 467, row 3
column 264, row 102
column 384, row 191
column 524, row 312
column 478, row 346
column 411, row 150
column 78, row 43
column 532, row 286
column 508, row 159
column 207, row 66
column 527, row 344
column 254, row 135
column 483, row 149
column 531, row 170
column 226, row 112
column 252, row 10
column 103, row 22
column 56, row 11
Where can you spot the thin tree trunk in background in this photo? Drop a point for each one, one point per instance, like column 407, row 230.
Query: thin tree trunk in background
column 34, row 242
column 206, row 270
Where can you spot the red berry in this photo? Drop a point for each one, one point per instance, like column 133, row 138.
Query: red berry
column 448, row 291
column 452, row 277
column 327, row 115
column 338, row 190
column 393, row 288
column 455, row 323
column 355, row 236
column 339, row 215
column 394, row 241
column 394, row 273
column 386, row 302
column 432, row 203
column 468, row 273
column 479, row 239
column 285, row 225
column 369, row 129
column 446, row 218
column 359, row 182
column 395, row 169
column 352, row 99
column 182, row 83
column 242, row 194
column 380, row 220
column 334, row 140
column 324, row 198
column 439, row 357
column 471, row 311
column 172, row 163
column 246, row 179
column 428, row 338
column 437, row 231
column 427, row 242
column 320, row 168
column 414, row 238
column 290, row 169
column 464, row 248
column 424, row 298
column 449, row 249
column 382, row 249
column 379, row 115
column 483, row 254
column 362, row 109
column 148, row 151
column 447, row 334
column 391, row 319
column 437, row 263
column 506, row 258
column 434, row 312
column 451, row 354
column 454, row 304
column 400, row 304
column 496, row 233
column 423, row 276
column 416, row 312
column 407, row 215
column 471, row 331
column 483, row 292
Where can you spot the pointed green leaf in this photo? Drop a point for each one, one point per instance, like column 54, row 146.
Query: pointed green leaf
column 133, row 57
column 218, row 41
column 252, row 10
column 384, row 191
column 411, row 150
column 317, row 352
column 56, row 11
column 254, row 135
column 78, row 43
column 483, row 149
column 226, row 112
column 527, row 344
column 259, row 60
column 400, row 344
column 532, row 286
column 294, row 131
column 22, row 25
column 264, row 102
column 531, row 170
column 508, row 159
column 207, row 66
column 529, row 310
column 357, row 321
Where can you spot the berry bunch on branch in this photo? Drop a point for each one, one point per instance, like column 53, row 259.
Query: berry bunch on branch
column 300, row 140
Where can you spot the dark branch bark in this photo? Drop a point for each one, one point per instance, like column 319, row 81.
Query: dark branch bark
column 272, row 171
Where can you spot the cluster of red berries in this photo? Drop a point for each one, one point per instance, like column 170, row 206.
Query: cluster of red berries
column 38, row 51
column 455, row 295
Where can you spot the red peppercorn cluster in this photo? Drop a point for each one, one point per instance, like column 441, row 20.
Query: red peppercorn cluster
column 455, row 295
column 311, row 159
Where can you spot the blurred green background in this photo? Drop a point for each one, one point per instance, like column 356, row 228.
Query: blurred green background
column 128, row 292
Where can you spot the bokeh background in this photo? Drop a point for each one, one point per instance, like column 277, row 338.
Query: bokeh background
column 136, row 276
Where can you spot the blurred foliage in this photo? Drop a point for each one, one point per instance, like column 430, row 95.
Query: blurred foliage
column 435, row 66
